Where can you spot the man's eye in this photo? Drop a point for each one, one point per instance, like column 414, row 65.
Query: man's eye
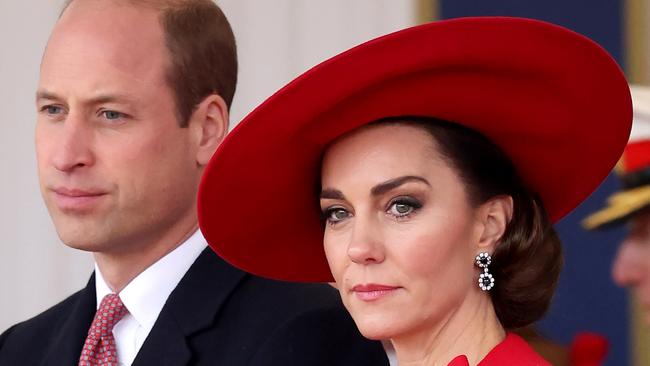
column 112, row 115
column 52, row 109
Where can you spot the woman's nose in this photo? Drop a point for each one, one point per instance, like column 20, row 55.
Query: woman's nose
column 366, row 245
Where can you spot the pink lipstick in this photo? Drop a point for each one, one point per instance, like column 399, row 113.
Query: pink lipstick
column 373, row 292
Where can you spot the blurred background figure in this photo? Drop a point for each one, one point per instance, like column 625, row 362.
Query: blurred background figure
column 630, row 205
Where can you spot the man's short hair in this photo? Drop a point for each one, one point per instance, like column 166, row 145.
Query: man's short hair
column 202, row 51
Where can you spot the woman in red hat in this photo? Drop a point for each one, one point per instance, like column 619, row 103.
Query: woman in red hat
column 422, row 172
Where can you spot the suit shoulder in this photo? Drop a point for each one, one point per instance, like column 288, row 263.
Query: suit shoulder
column 292, row 296
column 303, row 324
column 320, row 337
column 265, row 305
column 41, row 324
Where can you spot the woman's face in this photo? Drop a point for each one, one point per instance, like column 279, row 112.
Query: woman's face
column 400, row 233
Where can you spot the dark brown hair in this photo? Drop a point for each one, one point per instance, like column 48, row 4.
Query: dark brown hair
column 202, row 51
column 528, row 258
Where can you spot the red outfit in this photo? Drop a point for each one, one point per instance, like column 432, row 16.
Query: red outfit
column 513, row 351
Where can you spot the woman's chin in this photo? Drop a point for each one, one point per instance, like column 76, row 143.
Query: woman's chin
column 376, row 334
column 376, row 329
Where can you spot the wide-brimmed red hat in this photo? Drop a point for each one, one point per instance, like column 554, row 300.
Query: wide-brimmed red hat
column 554, row 101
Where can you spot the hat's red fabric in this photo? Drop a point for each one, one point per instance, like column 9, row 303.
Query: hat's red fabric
column 553, row 100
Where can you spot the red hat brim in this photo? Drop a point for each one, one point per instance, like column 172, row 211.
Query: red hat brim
column 554, row 101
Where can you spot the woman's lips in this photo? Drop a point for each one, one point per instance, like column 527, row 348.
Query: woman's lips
column 373, row 292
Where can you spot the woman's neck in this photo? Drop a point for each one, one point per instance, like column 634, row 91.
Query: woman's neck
column 473, row 329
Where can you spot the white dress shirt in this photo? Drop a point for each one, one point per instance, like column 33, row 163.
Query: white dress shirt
column 145, row 296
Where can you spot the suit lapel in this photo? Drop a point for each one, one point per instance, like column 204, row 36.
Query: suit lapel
column 191, row 307
column 66, row 347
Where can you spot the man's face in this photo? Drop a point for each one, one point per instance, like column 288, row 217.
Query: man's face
column 632, row 264
column 115, row 169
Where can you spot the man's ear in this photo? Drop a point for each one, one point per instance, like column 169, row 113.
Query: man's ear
column 495, row 214
column 209, row 124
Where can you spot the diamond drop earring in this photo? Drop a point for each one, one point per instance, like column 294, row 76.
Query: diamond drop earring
column 485, row 279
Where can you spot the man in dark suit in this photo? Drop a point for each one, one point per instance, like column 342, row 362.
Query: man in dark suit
column 132, row 101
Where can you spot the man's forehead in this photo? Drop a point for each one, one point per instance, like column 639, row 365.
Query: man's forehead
column 92, row 33
column 157, row 5
column 118, row 19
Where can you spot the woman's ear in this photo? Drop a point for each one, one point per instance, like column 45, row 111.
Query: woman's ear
column 495, row 214
column 209, row 123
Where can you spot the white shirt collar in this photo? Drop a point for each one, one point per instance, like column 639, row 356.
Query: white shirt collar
column 147, row 293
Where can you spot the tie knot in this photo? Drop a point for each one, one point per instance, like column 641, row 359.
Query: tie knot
column 111, row 310
column 99, row 348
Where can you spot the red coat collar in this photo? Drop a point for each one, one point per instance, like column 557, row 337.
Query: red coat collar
column 512, row 351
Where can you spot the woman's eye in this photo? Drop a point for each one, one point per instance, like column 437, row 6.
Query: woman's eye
column 337, row 214
column 403, row 207
column 400, row 209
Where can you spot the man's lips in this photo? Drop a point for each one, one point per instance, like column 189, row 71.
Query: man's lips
column 73, row 199
column 372, row 292
column 75, row 192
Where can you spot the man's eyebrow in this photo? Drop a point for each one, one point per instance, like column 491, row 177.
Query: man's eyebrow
column 99, row 99
column 111, row 98
column 391, row 184
column 44, row 94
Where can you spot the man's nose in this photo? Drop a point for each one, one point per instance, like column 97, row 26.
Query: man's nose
column 366, row 245
column 628, row 267
column 72, row 145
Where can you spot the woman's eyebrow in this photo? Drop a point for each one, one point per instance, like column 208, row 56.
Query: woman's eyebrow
column 379, row 189
column 334, row 194
column 391, row 184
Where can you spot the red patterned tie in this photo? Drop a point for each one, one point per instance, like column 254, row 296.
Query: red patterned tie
column 99, row 349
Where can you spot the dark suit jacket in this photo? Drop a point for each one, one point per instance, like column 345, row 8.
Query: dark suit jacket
column 217, row 315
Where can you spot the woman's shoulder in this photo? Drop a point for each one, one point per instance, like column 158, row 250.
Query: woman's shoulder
column 515, row 351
